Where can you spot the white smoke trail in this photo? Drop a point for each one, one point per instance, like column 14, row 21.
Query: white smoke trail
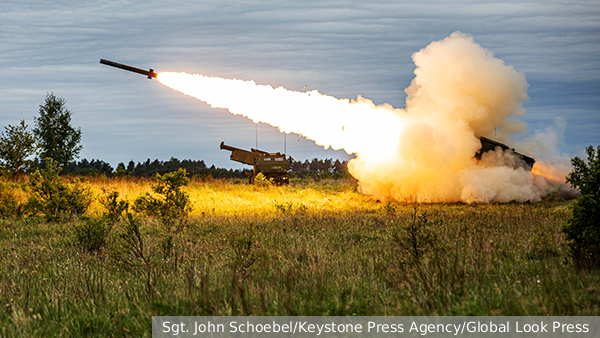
column 331, row 122
column 422, row 153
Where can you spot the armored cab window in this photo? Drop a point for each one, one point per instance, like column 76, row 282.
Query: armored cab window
column 267, row 159
column 279, row 159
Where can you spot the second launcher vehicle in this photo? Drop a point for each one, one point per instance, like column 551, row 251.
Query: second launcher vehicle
column 271, row 165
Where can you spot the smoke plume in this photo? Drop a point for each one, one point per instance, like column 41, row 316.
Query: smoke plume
column 423, row 153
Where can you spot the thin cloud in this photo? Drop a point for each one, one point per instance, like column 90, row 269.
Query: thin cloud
column 340, row 49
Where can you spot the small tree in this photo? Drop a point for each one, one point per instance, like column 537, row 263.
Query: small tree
column 583, row 229
column 17, row 144
column 54, row 198
column 120, row 171
column 172, row 203
column 586, row 176
column 57, row 139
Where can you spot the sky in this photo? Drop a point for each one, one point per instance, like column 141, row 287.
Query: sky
column 340, row 48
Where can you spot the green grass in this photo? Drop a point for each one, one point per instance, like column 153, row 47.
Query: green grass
column 306, row 249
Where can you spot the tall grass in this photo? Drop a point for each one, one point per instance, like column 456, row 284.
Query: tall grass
column 305, row 249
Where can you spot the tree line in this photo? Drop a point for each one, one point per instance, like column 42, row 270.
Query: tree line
column 53, row 137
column 327, row 168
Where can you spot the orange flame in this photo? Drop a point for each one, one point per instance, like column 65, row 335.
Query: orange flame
column 547, row 172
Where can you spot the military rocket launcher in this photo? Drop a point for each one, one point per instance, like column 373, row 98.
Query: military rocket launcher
column 487, row 144
column 272, row 165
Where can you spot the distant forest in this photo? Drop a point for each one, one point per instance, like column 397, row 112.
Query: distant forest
column 316, row 168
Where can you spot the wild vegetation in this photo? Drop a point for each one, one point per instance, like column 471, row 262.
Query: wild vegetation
column 224, row 247
column 103, row 252
column 583, row 229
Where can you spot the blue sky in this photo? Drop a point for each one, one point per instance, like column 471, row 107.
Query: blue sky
column 340, row 48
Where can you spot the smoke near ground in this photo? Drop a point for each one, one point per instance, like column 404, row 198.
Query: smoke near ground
column 425, row 152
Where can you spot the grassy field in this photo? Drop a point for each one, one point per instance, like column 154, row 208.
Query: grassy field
column 305, row 249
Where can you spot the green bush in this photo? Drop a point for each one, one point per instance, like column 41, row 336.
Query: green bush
column 92, row 234
column 389, row 208
column 8, row 202
column 114, row 207
column 262, row 181
column 131, row 250
column 54, row 198
column 583, row 230
column 171, row 204
column 415, row 237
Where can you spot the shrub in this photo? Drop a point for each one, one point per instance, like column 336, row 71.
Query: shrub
column 92, row 234
column 416, row 237
column 389, row 208
column 114, row 207
column 583, row 230
column 51, row 196
column 8, row 201
column 262, row 181
column 172, row 203
column 133, row 239
column 129, row 246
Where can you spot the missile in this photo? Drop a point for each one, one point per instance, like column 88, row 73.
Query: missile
column 149, row 73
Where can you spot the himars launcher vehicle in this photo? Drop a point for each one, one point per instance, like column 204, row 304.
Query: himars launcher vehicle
column 490, row 145
column 272, row 165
